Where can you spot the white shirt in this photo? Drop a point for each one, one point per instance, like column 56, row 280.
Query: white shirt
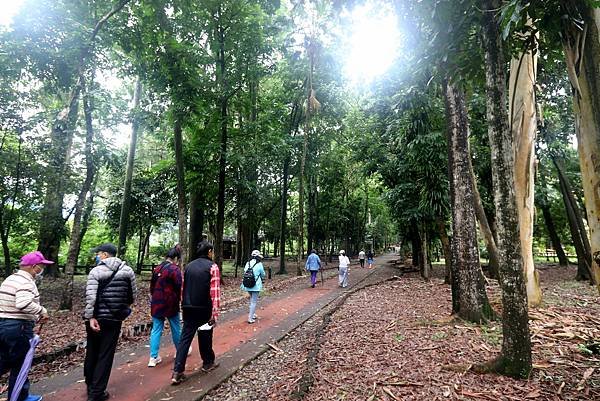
column 361, row 255
column 344, row 261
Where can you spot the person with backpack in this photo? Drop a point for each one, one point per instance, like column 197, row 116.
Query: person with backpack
column 370, row 258
column 109, row 293
column 313, row 264
column 343, row 269
column 165, row 297
column 254, row 274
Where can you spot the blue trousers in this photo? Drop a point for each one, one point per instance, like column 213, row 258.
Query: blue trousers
column 14, row 344
column 253, row 303
column 158, row 324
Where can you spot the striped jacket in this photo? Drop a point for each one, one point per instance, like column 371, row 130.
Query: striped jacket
column 19, row 297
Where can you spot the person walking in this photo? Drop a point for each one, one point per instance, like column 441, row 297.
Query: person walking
column 361, row 258
column 370, row 258
column 200, row 304
column 109, row 293
column 313, row 264
column 344, row 268
column 255, row 268
column 20, row 309
column 165, row 295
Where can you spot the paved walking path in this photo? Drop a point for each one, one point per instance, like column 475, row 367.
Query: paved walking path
column 235, row 343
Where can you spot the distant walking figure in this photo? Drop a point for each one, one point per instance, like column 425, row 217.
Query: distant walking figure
column 165, row 294
column 313, row 264
column 370, row 258
column 344, row 268
column 255, row 268
column 361, row 258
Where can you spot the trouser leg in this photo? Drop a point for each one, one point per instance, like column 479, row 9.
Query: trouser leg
column 313, row 277
column 253, row 303
column 187, row 336
column 108, row 337
column 175, row 324
column 15, row 344
column 205, row 339
column 158, row 325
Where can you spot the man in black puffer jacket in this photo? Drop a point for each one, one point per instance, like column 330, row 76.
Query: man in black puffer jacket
column 109, row 293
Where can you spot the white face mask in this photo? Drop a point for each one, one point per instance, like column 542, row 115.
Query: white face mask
column 39, row 276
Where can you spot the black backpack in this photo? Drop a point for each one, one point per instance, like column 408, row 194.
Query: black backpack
column 249, row 280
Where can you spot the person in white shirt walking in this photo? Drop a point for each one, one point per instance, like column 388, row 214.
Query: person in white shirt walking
column 343, row 269
column 20, row 309
column 361, row 258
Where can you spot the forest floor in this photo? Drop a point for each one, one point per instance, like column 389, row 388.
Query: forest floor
column 65, row 329
column 396, row 341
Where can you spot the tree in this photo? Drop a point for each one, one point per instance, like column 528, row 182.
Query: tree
column 515, row 357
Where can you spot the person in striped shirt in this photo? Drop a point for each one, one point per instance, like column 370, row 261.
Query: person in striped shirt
column 20, row 309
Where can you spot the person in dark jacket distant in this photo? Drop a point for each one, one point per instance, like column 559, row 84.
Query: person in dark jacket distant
column 109, row 293
column 200, row 306
column 165, row 297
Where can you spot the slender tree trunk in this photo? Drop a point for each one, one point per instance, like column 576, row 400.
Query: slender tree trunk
column 423, row 256
column 582, row 53
column 472, row 298
column 196, row 222
column 484, row 227
column 515, row 357
column 523, row 126
column 283, row 215
column 441, row 225
column 182, row 207
column 135, row 127
column 6, row 219
column 549, row 221
column 76, row 237
column 223, row 121
column 579, row 236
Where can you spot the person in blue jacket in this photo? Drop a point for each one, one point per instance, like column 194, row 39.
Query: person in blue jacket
column 313, row 264
column 255, row 263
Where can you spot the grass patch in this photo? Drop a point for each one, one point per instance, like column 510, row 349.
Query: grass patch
column 439, row 336
column 491, row 335
column 399, row 337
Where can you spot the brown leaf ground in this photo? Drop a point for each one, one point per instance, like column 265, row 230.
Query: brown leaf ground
column 396, row 341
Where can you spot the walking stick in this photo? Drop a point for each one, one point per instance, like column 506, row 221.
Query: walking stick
column 322, row 281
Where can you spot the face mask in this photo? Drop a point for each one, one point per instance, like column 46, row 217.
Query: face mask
column 39, row 276
column 97, row 260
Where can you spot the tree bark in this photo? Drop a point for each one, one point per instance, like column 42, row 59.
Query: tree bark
column 523, row 126
column 76, row 237
column 283, row 214
column 472, row 298
column 578, row 235
column 484, row 227
column 515, row 357
column 182, row 207
column 125, row 205
column 423, row 255
column 223, row 121
column 441, row 225
column 549, row 221
column 196, row 222
column 582, row 53
column 6, row 219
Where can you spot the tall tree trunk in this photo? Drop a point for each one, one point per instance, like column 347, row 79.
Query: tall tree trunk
column 283, row 215
column 523, row 126
column 515, row 357
column 182, row 207
column 223, row 121
column 441, row 226
column 196, row 222
column 549, row 221
column 578, row 235
column 472, row 298
column 423, row 255
column 125, row 205
column 582, row 53
column 484, row 227
column 76, row 237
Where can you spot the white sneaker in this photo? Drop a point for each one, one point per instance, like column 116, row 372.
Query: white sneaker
column 254, row 317
column 154, row 361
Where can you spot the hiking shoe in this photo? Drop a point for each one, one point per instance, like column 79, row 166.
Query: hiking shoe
column 154, row 361
column 177, row 378
column 103, row 397
column 32, row 397
column 251, row 321
column 254, row 317
column 210, row 366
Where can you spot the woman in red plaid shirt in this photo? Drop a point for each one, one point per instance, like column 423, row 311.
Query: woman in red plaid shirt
column 200, row 306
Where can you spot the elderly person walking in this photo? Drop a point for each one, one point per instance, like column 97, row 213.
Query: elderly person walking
column 109, row 293
column 254, row 273
column 343, row 269
column 20, row 309
column 165, row 297
column 313, row 264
